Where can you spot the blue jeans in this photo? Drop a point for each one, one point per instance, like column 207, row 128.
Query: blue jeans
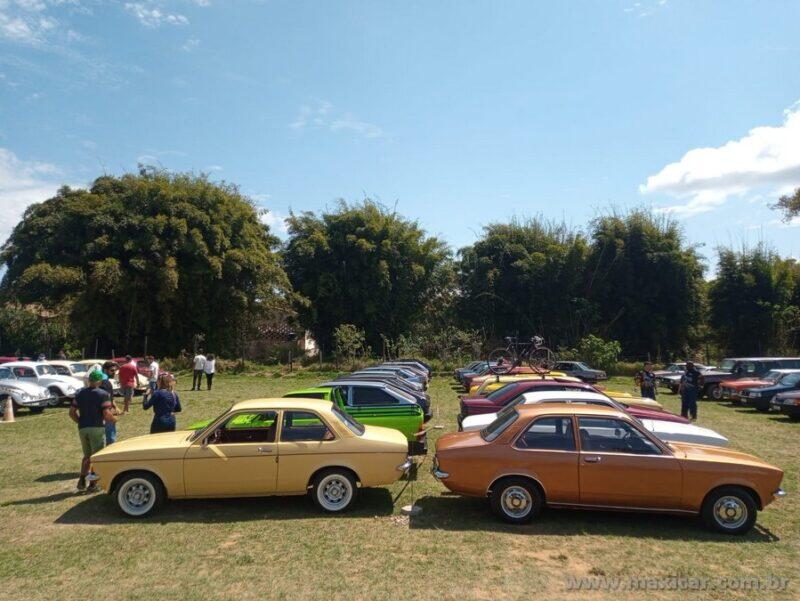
column 689, row 403
column 111, row 433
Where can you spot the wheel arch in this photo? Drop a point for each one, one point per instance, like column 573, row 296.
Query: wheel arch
column 345, row 468
column 533, row 480
column 116, row 479
column 748, row 489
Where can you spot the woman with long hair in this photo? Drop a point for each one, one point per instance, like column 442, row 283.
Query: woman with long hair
column 165, row 404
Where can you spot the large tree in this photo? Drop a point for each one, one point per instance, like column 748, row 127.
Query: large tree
column 167, row 256
column 526, row 278
column 361, row 264
column 645, row 282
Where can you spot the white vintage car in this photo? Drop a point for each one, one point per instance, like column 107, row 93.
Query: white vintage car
column 23, row 394
column 80, row 370
column 665, row 430
column 45, row 375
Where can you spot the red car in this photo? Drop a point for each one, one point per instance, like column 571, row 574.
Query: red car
column 499, row 398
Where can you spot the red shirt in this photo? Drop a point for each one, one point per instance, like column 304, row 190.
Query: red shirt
column 127, row 375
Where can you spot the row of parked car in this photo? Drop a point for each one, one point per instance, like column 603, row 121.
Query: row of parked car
column 529, row 440
column 764, row 383
column 36, row 385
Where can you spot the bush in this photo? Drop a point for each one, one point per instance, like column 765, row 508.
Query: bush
column 598, row 353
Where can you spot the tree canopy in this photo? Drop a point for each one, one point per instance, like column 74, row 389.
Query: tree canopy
column 360, row 264
column 150, row 254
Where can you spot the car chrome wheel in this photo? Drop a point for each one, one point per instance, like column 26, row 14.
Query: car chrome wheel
column 516, row 501
column 137, row 496
column 730, row 512
column 334, row 492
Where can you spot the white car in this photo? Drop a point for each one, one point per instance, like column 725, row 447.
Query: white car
column 45, row 375
column 666, row 431
column 80, row 370
column 23, row 394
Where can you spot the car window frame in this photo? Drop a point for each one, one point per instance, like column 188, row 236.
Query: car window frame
column 525, row 428
column 279, row 435
column 351, row 396
column 232, row 415
column 665, row 450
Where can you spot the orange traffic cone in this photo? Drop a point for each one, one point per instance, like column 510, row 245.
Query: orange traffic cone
column 8, row 414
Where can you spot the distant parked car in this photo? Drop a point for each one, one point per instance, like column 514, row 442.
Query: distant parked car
column 787, row 403
column 760, row 398
column 23, row 394
column 143, row 367
column 742, row 367
column 584, row 456
column 61, row 387
column 670, row 376
column 732, row 389
column 578, row 369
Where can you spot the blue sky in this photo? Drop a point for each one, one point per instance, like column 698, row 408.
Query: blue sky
column 460, row 113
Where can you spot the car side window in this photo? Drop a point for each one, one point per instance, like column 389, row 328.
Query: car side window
column 600, row 434
column 24, row 372
column 251, row 426
column 363, row 396
column 548, row 434
column 5, row 373
column 61, row 370
column 304, row 426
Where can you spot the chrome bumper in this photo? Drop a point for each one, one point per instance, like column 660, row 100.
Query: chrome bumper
column 779, row 494
column 406, row 465
column 439, row 474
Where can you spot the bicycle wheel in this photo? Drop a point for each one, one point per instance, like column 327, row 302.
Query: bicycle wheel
column 542, row 359
column 501, row 360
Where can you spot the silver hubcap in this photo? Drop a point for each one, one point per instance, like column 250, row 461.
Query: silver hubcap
column 334, row 492
column 137, row 496
column 516, row 501
column 730, row 512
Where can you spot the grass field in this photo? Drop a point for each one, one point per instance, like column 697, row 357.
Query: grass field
column 58, row 545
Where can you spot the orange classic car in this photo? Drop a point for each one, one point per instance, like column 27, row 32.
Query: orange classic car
column 584, row 456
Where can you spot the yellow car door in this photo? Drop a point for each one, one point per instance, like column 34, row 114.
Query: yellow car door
column 239, row 458
column 307, row 443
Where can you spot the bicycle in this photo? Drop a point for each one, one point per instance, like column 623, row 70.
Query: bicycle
column 540, row 358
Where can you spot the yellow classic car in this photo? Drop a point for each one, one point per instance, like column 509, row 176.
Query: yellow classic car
column 634, row 401
column 287, row 446
column 484, row 386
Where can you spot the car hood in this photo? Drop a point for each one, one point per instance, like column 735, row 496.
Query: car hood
column 747, row 383
column 28, row 387
column 698, row 452
column 149, row 446
column 676, row 432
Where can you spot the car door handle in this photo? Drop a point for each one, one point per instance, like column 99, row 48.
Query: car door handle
column 592, row 459
column 265, row 449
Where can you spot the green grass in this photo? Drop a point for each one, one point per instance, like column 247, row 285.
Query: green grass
column 55, row 544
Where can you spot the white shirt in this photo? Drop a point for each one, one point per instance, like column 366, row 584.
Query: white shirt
column 209, row 366
column 199, row 362
column 154, row 371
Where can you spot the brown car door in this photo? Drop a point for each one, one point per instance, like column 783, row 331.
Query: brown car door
column 620, row 466
column 546, row 449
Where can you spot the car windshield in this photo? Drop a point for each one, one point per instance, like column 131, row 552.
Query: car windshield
column 582, row 365
column 46, row 370
column 772, row 376
column 354, row 426
column 498, row 392
column 498, row 426
column 727, row 364
column 78, row 368
column 790, row 379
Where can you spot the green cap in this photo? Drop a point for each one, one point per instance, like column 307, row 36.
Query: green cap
column 96, row 376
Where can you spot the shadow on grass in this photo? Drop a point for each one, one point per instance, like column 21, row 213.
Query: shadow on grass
column 455, row 513
column 54, row 498
column 59, row 477
column 101, row 509
column 782, row 418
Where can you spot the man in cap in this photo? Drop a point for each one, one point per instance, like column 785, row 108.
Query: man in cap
column 91, row 409
column 689, row 389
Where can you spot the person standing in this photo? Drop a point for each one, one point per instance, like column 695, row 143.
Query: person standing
column 109, row 371
column 165, row 404
column 689, row 389
column 128, row 374
column 90, row 408
column 198, row 363
column 646, row 380
column 153, row 378
column 209, row 368
column 61, row 356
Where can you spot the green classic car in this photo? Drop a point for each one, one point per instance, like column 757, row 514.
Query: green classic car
column 373, row 405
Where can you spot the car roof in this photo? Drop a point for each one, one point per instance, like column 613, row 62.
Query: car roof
column 576, row 409
column 24, row 363
column 284, row 403
column 312, row 389
column 354, row 382
column 564, row 394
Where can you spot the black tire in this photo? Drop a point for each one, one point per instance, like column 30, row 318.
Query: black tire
column 501, row 360
column 57, row 394
column 35, row 410
column 139, row 494
column 542, row 359
column 713, row 392
column 516, row 500
column 730, row 509
column 334, row 490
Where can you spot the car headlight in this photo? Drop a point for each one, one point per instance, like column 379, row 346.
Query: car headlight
column 26, row 397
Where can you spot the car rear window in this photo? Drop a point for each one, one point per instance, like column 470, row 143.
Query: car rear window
column 498, row 426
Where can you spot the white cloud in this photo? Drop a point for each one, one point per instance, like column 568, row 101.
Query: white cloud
column 275, row 221
column 190, row 44
column 765, row 161
column 152, row 16
column 22, row 183
column 318, row 115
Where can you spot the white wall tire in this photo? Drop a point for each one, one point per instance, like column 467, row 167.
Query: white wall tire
column 139, row 494
column 334, row 490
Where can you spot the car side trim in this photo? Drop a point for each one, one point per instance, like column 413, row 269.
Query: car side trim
column 624, row 508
